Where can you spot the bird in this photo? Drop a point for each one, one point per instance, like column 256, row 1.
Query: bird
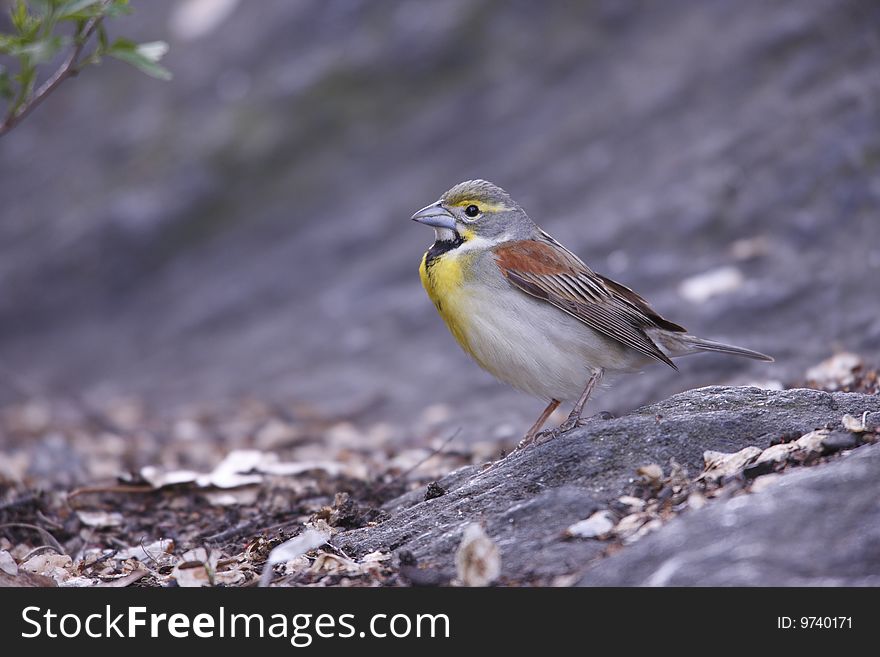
column 533, row 314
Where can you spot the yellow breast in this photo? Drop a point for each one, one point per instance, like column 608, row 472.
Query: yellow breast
column 444, row 279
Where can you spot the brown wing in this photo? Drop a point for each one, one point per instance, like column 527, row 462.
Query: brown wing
column 641, row 305
column 545, row 269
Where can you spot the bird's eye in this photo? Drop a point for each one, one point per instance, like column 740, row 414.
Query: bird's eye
column 472, row 211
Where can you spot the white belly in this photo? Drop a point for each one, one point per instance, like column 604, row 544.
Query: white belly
column 551, row 355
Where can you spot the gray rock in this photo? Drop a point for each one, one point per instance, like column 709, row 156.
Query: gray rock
column 527, row 500
column 815, row 527
column 838, row 441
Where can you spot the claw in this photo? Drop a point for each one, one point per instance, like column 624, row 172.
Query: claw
column 565, row 427
column 550, row 434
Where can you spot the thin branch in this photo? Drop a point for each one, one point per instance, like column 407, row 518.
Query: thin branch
column 120, row 488
column 42, row 532
column 39, row 550
column 68, row 69
column 403, row 475
column 125, row 580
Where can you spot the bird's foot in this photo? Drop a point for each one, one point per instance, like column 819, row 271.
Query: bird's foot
column 537, row 438
column 550, row 434
column 565, row 427
column 568, row 425
column 526, row 442
column 540, row 437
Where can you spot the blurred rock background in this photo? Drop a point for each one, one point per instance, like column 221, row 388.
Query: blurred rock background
column 244, row 229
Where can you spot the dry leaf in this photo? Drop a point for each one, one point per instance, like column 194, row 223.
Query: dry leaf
column 777, row 453
column 100, row 518
column 597, row 525
column 289, row 550
column 722, row 464
column 49, row 564
column 835, row 372
column 644, row 529
column 245, row 467
column 652, row 474
column 630, row 524
column 762, row 482
column 855, row 424
column 812, row 442
column 478, row 559
column 7, row 563
column 153, row 554
column 634, row 503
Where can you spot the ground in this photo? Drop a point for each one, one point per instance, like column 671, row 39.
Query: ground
column 338, row 514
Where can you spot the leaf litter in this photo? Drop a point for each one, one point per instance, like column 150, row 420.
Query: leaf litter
column 253, row 493
column 238, row 495
column 658, row 495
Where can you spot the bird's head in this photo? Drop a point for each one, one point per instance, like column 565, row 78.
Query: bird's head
column 476, row 209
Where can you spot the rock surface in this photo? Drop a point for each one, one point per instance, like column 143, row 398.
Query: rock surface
column 527, row 500
column 819, row 527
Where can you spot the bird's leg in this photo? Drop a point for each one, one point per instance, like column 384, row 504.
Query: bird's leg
column 574, row 417
column 575, row 414
column 536, row 427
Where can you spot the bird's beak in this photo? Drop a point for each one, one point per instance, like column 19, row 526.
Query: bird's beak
column 435, row 215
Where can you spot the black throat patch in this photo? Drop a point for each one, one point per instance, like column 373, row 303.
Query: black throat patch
column 440, row 247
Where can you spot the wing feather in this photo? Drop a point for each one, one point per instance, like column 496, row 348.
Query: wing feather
column 546, row 270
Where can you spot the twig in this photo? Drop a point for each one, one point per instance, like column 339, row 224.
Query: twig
column 403, row 475
column 24, row 500
column 48, row 521
column 125, row 580
column 248, row 528
column 150, row 556
column 68, row 69
column 49, row 538
column 118, row 488
column 276, row 527
column 339, row 551
column 232, row 532
column 37, row 550
column 104, row 557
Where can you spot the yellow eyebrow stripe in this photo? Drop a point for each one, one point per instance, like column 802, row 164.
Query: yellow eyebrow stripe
column 484, row 207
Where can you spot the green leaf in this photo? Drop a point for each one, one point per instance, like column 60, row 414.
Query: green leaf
column 103, row 43
column 20, row 16
column 154, row 50
column 144, row 56
column 42, row 50
column 7, row 44
column 117, row 8
column 77, row 9
column 26, row 78
column 6, row 90
column 25, row 24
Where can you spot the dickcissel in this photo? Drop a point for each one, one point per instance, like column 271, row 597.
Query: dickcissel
column 531, row 312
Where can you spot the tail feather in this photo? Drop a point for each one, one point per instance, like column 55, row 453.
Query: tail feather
column 699, row 344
